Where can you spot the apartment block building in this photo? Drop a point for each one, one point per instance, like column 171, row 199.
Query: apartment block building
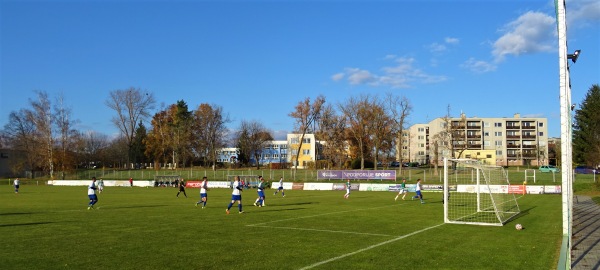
column 279, row 151
column 512, row 141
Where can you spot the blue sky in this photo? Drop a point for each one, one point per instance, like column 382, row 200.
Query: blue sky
column 258, row 59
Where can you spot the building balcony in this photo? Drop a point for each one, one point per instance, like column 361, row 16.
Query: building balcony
column 473, row 136
column 474, row 127
column 530, row 146
column 513, row 127
column 529, row 136
column 513, row 136
column 528, row 127
column 513, row 146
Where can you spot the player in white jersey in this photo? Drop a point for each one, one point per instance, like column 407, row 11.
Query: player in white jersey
column 236, row 195
column 17, row 183
column 203, row 194
column 280, row 188
column 92, row 194
column 418, row 191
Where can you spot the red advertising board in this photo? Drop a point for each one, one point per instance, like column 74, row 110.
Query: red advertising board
column 516, row 189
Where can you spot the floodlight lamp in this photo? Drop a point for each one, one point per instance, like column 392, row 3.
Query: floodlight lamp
column 574, row 56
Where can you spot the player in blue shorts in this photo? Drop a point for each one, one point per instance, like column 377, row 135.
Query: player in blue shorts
column 203, row 194
column 260, row 201
column 418, row 191
column 236, row 195
column 280, row 188
column 92, row 194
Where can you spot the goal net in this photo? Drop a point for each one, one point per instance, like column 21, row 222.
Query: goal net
column 477, row 194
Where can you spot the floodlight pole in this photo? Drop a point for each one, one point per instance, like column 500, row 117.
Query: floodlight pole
column 565, row 136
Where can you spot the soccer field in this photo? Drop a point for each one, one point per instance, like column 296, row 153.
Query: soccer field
column 49, row 227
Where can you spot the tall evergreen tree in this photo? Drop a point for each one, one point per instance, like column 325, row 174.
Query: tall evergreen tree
column 586, row 129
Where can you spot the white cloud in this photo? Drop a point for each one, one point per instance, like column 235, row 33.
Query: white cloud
column 360, row 76
column 436, row 47
column 450, row 40
column 583, row 12
column 399, row 75
column 478, row 66
column 532, row 32
column 338, row 76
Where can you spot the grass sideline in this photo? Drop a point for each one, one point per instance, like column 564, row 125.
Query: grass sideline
column 46, row 227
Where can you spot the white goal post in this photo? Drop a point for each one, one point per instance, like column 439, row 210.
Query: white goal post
column 477, row 194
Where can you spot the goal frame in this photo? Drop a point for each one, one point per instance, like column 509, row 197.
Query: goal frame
column 500, row 201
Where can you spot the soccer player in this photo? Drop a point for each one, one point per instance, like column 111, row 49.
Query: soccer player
column 92, row 194
column 347, row 195
column 280, row 187
column 402, row 190
column 260, row 201
column 181, row 188
column 16, row 183
column 203, row 194
column 418, row 191
column 100, row 185
column 236, row 195
column 130, row 182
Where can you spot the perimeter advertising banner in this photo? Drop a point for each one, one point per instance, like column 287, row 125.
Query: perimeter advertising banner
column 357, row 174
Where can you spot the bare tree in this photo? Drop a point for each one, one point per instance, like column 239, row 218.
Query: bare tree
column 94, row 147
column 209, row 131
column 358, row 116
column 306, row 114
column 131, row 107
column 331, row 131
column 19, row 134
column 399, row 109
column 68, row 135
column 43, row 119
column 252, row 137
column 380, row 127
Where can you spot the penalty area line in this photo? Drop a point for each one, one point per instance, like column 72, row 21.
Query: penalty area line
column 318, row 215
column 319, row 230
column 369, row 247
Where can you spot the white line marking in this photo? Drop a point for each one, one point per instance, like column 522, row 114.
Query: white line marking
column 368, row 248
column 319, row 230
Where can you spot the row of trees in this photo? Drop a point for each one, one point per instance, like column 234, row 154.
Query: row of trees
column 45, row 139
column 368, row 126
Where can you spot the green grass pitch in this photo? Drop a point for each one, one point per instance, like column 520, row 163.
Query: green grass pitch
column 46, row 227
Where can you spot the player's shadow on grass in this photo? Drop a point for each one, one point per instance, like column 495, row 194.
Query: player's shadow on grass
column 24, row 224
column 14, row 214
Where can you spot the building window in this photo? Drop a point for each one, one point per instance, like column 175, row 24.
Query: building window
column 421, row 129
column 421, row 137
column 488, row 156
column 498, row 143
column 486, row 143
column 486, row 124
column 294, row 140
column 541, row 133
column 541, row 124
column 498, row 152
column 497, row 124
column 306, row 151
column 498, row 133
column 486, row 134
column 306, row 140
